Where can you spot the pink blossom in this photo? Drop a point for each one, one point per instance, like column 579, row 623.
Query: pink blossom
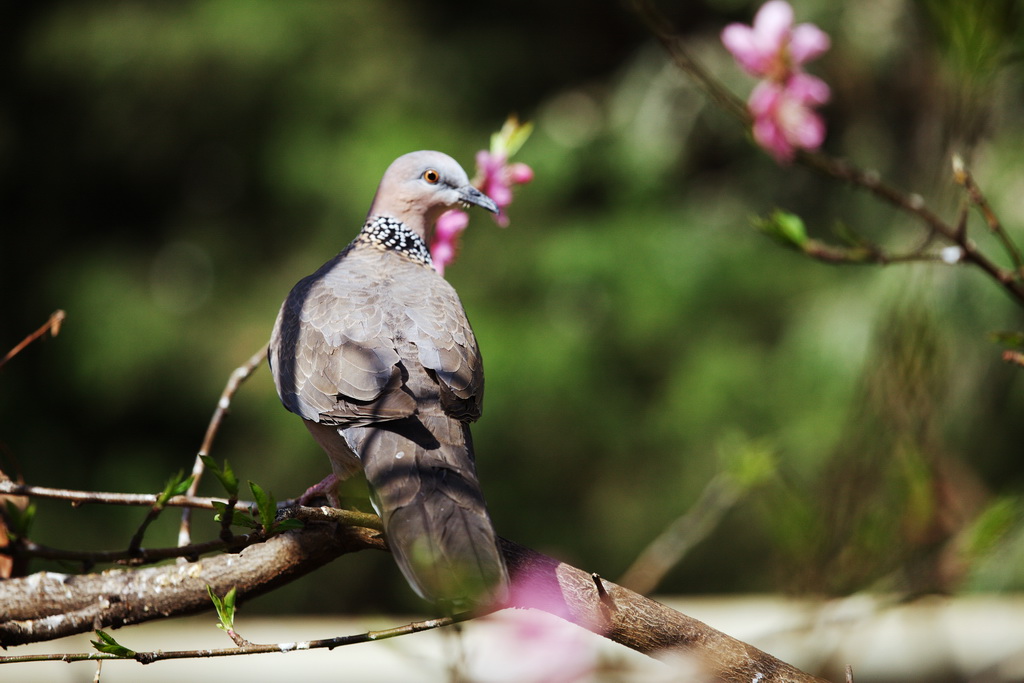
column 449, row 226
column 519, row 173
column 495, row 177
column 773, row 48
column 783, row 102
column 784, row 119
column 536, row 642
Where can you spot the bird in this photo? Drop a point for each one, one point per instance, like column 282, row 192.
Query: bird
column 374, row 351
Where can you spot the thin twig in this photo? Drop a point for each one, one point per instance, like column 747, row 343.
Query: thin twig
column 252, row 649
column 325, row 514
column 287, row 509
column 963, row 177
column 672, row 544
column 237, row 638
column 663, row 30
column 135, row 544
column 913, row 204
column 239, row 375
column 864, row 253
column 133, row 556
column 52, row 326
column 77, row 498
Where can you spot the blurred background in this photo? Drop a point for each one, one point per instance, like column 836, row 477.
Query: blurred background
column 170, row 170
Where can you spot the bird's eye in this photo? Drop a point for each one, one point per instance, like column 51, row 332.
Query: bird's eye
column 431, row 176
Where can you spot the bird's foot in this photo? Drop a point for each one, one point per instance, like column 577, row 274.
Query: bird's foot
column 328, row 488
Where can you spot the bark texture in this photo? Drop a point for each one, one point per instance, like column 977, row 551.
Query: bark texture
column 49, row 605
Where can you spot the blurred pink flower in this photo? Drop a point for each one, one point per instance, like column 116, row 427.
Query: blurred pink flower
column 773, row 48
column 537, row 642
column 783, row 102
column 784, row 118
column 450, row 225
column 495, row 177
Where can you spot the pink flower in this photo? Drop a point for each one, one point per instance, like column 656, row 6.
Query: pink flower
column 784, row 119
column 536, row 642
column 495, row 177
column 773, row 48
column 782, row 104
column 449, row 226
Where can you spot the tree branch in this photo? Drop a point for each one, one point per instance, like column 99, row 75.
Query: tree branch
column 240, row 374
column 914, row 204
column 47, row 605
column 247, row 648
column 52, row 325
column 662, row 29
column 76, row 498
column 965, row 179
column 640, row 623
column 132, row 557
column 137, row 556
column 668, row 548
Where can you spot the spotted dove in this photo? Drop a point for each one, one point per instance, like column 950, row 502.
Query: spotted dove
column 375, row 353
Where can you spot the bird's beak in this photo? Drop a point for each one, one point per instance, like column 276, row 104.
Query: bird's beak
column 471, row 195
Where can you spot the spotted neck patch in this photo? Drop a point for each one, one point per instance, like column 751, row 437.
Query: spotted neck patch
column 387, row 233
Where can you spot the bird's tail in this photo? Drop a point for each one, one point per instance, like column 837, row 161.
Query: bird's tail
column 423, row 483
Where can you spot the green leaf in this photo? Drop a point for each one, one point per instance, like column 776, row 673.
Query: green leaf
column 176, row 486
column 210, row 464
column 182, row 488
column 238, row 517
column 225, row 607
column 20, row 521
column 266, row 505
column 511, row 137
column 110, row 646
column 225, row 474
column 267, row 508
column 784, row 227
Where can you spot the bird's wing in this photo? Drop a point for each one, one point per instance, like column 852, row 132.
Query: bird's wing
column 437, row 325
column 332, row 357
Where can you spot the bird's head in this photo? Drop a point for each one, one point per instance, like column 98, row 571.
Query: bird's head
column 420, row 186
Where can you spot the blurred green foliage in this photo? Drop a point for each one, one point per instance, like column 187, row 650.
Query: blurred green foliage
column 171, row 169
